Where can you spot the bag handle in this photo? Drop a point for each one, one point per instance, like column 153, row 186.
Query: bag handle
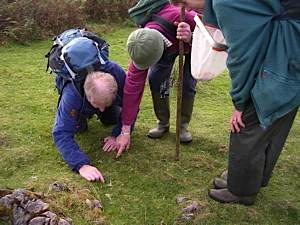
column 215, row 45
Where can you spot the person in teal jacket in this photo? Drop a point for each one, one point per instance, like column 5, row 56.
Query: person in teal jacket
column 264, row 66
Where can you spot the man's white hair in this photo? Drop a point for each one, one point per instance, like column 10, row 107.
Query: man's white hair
column 101, row 87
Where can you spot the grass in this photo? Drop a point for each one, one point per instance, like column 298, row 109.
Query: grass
column 142, row 186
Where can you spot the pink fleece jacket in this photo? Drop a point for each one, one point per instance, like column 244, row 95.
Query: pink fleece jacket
column 135, row 79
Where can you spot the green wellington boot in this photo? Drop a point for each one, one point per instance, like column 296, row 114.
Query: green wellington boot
column 225, row 196
column 162, row 111
column 186, row 115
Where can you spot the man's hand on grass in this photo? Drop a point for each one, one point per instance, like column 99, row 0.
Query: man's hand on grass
column 123, row 140
column 91, row 173
column 123, row 143
column 110, row 144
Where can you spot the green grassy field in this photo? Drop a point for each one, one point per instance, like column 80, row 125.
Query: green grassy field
column 141, row 187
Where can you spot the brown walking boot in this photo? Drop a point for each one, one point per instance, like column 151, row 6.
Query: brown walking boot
column 220, row 183
column 225, row 196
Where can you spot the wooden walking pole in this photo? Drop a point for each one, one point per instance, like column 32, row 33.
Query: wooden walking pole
column 179, row 81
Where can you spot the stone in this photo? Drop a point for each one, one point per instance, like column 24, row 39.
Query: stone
column 189, row 212
column 39, row 221
column 94, row 204
column 20, row 217
column 63, row 222
column 36, row 207
column 26, row 208
column 187, row 217
column 20, row 195
column 7, row 202
column 49, row 214
column 192, row 208
column 52, row 216
column 181, row 199
column 58, row 187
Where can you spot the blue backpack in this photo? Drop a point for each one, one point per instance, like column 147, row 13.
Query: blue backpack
column 74, row 53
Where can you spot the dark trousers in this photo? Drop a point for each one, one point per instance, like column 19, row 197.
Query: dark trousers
column 254, row 152
column 159, row 76
column 109, row 116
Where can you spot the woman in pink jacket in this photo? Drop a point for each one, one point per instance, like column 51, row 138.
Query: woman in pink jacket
column 153, row 50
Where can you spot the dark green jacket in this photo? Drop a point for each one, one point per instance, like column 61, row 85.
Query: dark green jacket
column 263, row 54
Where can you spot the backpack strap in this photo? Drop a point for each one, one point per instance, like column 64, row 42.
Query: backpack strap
column 78, row 86
column 48, row 56
column 165, row 24
column 60, row 92
column 79, row 91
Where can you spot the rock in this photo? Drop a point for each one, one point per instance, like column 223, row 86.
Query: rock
column 63, row 222
column 20, row 195
column 97, row 204
column 39, row 221
column 189, row 212
column 58, row 187
column 52, row 216
column 94, row 204
column 89, row 203
column 187, row 217
column 49, row 214
column 7, row 202
column 181, row 199
column 20, row 217
column 36, row 207
column 192, row 208
column 25, row 208
column 54, row 221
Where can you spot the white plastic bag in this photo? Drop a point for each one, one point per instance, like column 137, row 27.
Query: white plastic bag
column 206, row 62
